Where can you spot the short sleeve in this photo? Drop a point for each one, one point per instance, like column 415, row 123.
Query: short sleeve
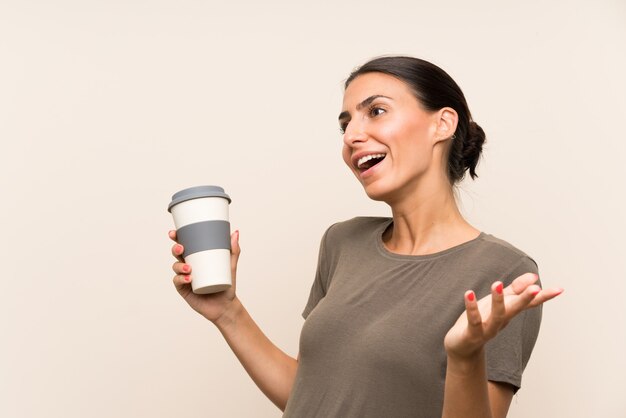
column 508, row 353
column 319, row 287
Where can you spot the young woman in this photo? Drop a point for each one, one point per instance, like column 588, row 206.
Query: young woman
column 416, row 315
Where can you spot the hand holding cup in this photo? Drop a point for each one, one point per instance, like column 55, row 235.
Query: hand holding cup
column 206, row 251
column 213, row 305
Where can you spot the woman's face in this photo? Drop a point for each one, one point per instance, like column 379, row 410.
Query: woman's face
column 388, row 137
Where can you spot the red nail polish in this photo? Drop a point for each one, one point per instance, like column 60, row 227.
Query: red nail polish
column 471, row 297
column 499, row 288
column 534, row 293
column 185, row 268
column 179, row 248
column 187, row 278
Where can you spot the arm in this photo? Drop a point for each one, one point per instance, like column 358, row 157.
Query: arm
column 467, row 389
column 500, row 397
column 468, row 394
column 271, row 369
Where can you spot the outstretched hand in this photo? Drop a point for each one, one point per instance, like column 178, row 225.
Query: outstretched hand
column 483, row 319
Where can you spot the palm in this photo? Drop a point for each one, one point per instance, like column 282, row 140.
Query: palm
column 210, row 306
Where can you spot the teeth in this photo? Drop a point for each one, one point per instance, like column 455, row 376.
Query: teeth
column 367, row 158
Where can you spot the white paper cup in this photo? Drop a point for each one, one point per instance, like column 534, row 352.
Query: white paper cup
column 203, row 229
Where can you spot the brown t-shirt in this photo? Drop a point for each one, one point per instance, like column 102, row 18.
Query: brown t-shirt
column 372, row 342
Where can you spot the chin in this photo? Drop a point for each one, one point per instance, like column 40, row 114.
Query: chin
column 376, row 192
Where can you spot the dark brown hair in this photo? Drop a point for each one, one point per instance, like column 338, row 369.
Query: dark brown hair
column 435, row 89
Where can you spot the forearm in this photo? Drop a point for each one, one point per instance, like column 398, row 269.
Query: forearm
column 271, row 369
column 466, row 391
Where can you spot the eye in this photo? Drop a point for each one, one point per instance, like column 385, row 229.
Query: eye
column 376, row 111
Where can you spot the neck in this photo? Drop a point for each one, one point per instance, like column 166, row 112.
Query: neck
column 427, row 221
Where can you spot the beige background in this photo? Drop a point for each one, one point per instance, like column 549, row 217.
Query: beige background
column 108, row 107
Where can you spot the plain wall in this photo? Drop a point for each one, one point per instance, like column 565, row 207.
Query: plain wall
column 109, row 107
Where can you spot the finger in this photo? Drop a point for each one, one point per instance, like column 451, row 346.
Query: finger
column 497, row 317
column 474, row 320
column 177, row 251
column 545, row 295
column 181, row 268
column 172, row 234
column 181, row 281
column 234, row 252
column 523, row 300
column 521, row 283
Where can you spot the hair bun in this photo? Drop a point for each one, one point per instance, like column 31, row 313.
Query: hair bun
column 472, row 147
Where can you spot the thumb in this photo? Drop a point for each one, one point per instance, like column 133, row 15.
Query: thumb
column 234, row 253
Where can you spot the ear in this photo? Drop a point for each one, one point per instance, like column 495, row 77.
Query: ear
column 446, row 122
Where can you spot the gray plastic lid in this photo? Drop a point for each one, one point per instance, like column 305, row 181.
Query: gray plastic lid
column 196, row 193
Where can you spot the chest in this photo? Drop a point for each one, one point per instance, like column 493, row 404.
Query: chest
column 386, row 317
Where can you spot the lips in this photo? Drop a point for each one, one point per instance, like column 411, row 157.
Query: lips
column 370, row 160
column 366, row 160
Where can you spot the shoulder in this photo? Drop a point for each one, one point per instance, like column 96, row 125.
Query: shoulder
column 503, row 257
column 355, row 228
column 354, row 235
column 504, row 248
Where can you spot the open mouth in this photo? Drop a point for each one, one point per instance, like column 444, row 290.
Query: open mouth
column 369, row 161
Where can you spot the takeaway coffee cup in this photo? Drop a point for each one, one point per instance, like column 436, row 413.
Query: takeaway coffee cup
column 202, row 228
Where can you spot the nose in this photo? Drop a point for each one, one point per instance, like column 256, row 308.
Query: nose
column 354, row 133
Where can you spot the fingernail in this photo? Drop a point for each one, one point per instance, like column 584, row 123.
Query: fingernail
column 535, row 292
column 187, row 278
column 471, row 297
column 186, row 268
column 179, row 248
column 237, row 234
column 499, row 288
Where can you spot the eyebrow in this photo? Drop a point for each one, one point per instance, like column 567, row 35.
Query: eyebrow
column 361, row 105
